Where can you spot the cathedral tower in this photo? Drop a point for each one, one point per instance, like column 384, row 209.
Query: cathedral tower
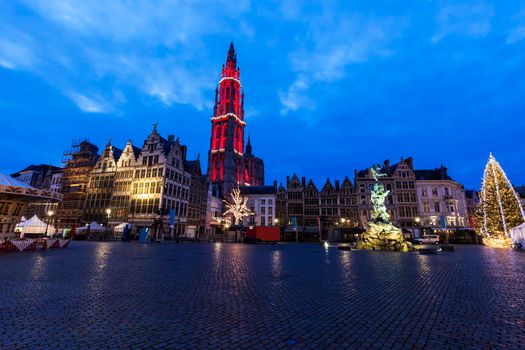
column 225, row 158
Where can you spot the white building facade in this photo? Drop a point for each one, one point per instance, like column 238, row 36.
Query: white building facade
column 261, row 201
column 442, row 202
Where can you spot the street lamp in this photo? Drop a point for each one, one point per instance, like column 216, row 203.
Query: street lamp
column 49, row 215
column 418, row 222
column 276, row 221
column 108, row 213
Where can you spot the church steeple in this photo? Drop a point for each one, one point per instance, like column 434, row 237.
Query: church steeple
column 231, row 60
column 230, row 70
column 226, row 161
column 249, row 146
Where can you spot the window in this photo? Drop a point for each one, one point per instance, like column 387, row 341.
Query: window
column 435, row 191
column 263, row 201
column 263, row 221
column 425, row 207
column 436, row 207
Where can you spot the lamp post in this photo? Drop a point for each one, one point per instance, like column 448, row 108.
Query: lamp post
column 49, row 215
column 418, row 222
column 343, row 222
column 108, row 212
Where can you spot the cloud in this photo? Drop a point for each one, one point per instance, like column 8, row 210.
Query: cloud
column 90, row 104
column 517, row 33
column 472, row 20
column 158, row 49
column 296, row 97
column 334, row 43
column 16, row 49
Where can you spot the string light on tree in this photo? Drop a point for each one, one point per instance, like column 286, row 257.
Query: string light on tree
column 500, row 208
column 237, row 207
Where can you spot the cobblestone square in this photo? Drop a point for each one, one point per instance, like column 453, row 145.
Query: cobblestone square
column 233, row 296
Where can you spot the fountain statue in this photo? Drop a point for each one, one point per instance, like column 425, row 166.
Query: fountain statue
column 380, row 233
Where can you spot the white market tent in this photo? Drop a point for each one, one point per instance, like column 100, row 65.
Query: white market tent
column 93, row 227
column 34, row 226
column 120, row 228
column 517, row 234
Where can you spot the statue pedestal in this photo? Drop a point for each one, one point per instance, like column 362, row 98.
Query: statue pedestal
column 383, row 236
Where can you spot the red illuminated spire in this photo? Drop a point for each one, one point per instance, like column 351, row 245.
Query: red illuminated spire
column 230, row 70
column 232, row 57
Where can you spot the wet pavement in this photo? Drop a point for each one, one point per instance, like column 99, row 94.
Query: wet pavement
column 233, row 296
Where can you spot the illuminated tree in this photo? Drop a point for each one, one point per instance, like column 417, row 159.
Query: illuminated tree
column 238, row 206
column 499, row 209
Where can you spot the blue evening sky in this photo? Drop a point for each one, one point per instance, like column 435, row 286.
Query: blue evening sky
column 330, row 86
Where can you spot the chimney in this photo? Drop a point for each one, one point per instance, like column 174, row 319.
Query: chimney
column 386, row 164
column 303, row 181
column 410, row 163
column 337, row 185
column 287, row 181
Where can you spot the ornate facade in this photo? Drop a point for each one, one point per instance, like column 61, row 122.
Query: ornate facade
column 229, row 164
column 122, row 186
column 100, row 186
column 154, row 187
column 310, row 214
column 160, row 188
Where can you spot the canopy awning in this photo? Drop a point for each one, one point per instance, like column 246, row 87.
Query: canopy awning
column 34, row 225
column 92, row 227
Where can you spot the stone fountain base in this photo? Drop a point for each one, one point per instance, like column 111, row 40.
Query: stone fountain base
column 383, row 236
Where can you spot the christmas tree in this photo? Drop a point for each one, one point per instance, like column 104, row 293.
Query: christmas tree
column 499, row 208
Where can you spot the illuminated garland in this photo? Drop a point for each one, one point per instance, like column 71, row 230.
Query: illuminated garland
column 230, row 78
column 225, row 116
column 238, row 207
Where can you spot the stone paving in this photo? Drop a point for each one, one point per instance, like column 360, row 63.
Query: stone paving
column 233, row 296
